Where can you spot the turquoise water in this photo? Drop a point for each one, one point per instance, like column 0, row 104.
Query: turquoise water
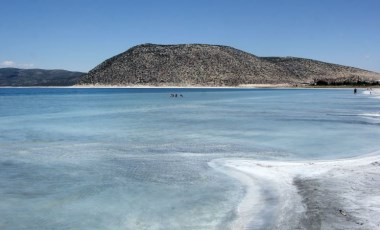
column 137, row 158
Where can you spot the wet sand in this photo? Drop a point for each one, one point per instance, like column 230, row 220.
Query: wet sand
column 337, row 194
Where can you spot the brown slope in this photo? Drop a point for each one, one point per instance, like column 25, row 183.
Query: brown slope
column 208, row 65
column 312, row 71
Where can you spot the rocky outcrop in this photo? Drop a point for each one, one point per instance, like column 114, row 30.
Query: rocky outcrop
column 214, row 65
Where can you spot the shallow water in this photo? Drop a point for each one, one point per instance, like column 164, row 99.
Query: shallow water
column 137, row 159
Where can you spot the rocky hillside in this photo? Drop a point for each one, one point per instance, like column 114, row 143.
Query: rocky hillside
column 213, row 65
column 38, row 77
column 322, row 73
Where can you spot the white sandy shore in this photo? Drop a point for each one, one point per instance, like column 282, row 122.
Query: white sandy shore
column 339, row 194
column 185, row 86
column 375, row 91
column 211, row 87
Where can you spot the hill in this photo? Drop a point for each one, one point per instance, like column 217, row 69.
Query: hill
column 38, row 77
column 214, row 65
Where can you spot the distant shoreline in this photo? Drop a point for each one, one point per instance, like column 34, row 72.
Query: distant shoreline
column 248, row 86
column 243, row 86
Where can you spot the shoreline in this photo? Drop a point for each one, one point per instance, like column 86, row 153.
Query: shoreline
column 361, row 90
column 250, row 86
column 328, row 194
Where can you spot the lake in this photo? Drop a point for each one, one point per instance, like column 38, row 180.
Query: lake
column 74, row 158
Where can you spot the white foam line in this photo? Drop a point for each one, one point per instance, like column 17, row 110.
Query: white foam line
column 278, row 176
column 370, row 114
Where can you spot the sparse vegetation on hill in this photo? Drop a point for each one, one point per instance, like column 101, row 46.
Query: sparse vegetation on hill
column 214, row 65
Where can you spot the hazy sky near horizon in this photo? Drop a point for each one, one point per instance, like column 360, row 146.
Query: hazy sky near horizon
column 79, row 34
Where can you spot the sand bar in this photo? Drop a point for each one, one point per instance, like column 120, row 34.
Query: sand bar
column 336, row 194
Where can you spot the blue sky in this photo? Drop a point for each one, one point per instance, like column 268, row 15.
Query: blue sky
column 79, row 34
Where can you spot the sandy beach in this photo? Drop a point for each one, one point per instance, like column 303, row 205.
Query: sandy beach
column 184, row 86
column 374, row 91
column 337, row 194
